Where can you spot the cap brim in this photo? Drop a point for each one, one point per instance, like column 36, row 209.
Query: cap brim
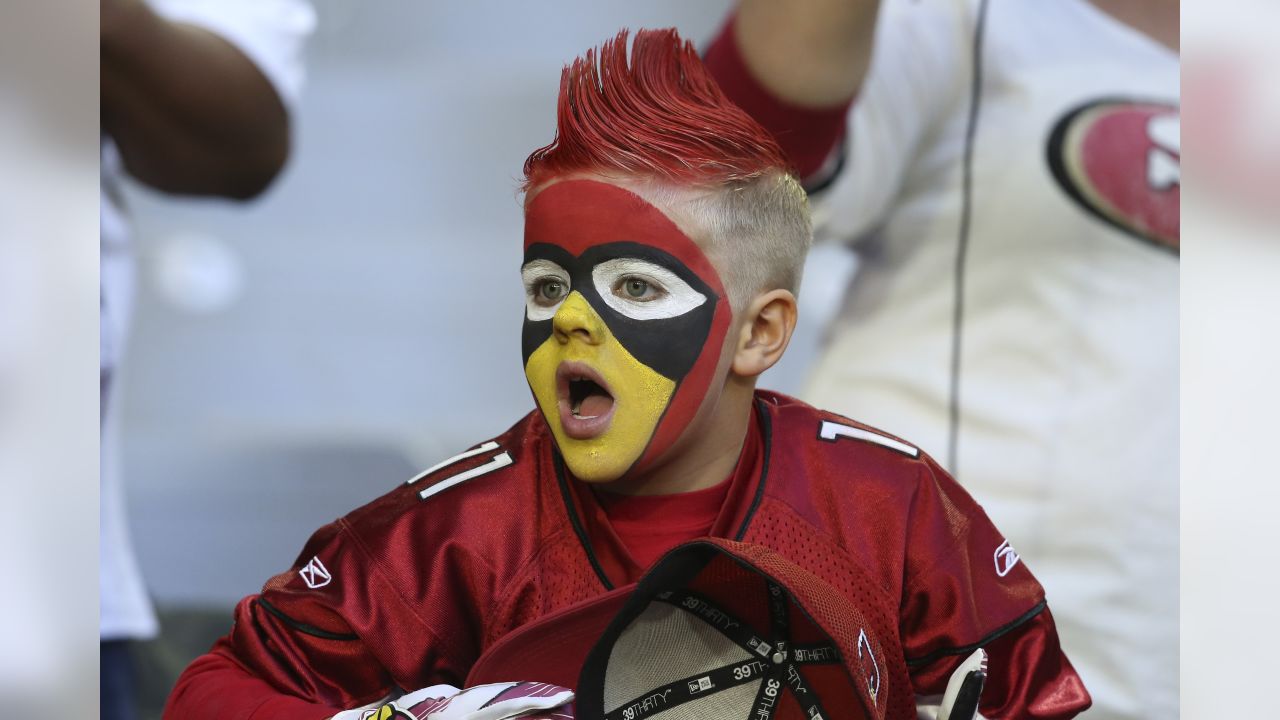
column 550, row 649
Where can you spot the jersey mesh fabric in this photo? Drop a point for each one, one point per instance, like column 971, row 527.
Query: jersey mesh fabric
column 541, row 591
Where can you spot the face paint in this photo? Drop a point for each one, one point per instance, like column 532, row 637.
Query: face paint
column 624, row 320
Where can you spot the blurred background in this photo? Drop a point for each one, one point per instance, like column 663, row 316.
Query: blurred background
column 296, row 357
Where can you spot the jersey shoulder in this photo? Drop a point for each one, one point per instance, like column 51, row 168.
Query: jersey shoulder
column 475, row 492
column 823, row 459
column 426, row 560
column 827, row 438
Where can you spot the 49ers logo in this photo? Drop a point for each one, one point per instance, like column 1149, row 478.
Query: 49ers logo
column 1121, row 161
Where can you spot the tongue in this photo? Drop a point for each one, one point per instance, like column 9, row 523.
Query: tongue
column 595, row 404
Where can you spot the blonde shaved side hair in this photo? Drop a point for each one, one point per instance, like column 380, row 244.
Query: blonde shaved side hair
column 757, row 232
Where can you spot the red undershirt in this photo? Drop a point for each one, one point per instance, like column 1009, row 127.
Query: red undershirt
column 650, row 525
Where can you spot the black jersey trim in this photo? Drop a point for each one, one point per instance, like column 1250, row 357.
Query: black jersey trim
column 576, row 522
column 962, row 243
column 829, row 178
column 270, row 645
column 766, row 435
column 965, row 649
column 304, row 627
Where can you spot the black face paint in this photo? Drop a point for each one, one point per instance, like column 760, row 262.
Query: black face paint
column 669, row 346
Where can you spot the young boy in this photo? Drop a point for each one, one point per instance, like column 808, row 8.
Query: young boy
column 663, row 246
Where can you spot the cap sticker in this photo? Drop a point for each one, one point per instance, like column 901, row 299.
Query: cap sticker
column 760, row 646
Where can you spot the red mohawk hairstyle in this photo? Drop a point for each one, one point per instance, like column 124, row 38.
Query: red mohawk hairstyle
column 661, row 116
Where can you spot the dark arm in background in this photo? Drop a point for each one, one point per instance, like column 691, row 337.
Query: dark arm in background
column 795, row 66
column 189, row 112
column 811, row 53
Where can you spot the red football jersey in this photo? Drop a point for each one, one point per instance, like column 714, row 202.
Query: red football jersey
column 409, row 590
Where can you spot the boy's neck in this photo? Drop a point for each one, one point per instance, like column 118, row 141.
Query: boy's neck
column 708, row 453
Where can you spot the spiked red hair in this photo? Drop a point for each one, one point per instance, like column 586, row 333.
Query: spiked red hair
column 662, row 115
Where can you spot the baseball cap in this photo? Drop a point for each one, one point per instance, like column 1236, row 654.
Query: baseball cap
column 716, row 630
column 551, row 649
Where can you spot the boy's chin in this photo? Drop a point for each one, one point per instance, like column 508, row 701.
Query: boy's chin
column 589, row 468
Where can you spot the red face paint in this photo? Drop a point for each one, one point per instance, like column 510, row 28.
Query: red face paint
column 577, row 232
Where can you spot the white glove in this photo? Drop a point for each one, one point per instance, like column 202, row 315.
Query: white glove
column 964, row 689
column 499, row 701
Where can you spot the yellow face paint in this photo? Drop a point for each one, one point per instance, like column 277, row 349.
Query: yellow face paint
column 640, row 395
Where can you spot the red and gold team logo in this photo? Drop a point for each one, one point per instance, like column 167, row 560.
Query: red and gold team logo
column 1120, row 160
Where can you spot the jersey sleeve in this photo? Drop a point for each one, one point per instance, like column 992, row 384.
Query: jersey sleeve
column 918, row 81
column 967, row 588
column 318, row 639
column 854, row 158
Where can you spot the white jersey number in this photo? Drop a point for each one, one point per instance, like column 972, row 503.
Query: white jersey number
column 498, row 461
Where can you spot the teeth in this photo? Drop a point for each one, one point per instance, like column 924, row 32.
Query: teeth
column 576, row 405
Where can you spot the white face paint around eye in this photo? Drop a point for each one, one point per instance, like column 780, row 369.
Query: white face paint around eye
column 668, row 295
column 546, row 285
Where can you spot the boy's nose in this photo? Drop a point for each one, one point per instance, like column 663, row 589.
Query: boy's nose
column 576, row 318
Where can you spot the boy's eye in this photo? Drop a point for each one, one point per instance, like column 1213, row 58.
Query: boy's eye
column 637, row 289
column 546, row 285
column 552, row 291
column 644, row 290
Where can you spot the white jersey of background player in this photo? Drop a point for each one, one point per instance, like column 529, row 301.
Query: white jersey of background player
column 1060, row 411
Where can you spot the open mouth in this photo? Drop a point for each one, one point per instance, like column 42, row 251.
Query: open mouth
column 586, row 405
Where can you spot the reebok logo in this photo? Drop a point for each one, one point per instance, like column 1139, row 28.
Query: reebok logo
column 315, row 574
column 1006, row 557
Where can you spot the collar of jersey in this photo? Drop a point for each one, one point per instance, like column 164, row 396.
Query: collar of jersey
column 613, row 565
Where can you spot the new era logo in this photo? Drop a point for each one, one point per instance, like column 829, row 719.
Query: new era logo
column 759, row 646
column 1006, row 557
column 315, row 574
column 700, row 685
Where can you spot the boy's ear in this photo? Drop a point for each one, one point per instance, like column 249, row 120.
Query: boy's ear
column 766, row 327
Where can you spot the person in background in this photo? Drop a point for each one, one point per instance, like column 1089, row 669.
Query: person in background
column 195, row 100
column 1008, row 174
